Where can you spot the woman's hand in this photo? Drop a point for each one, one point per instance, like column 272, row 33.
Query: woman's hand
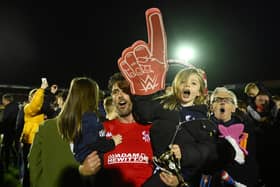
column 91, row 164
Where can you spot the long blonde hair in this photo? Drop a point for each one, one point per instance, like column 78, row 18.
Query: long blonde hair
column 83, row 97
column 170, row 101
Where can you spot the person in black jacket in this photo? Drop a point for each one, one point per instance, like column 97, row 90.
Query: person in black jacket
column 200, row 148
column 225, row 114
column 8, row 126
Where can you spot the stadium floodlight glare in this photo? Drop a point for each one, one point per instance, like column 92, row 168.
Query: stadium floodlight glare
column 185, row 53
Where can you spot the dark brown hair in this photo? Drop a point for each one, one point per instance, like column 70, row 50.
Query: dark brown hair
column 121, row 82
column 83, row 97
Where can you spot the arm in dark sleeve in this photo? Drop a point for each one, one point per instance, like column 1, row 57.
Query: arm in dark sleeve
column 194, row 155
column 208, row 157
column 104, row 145
column 223, row 155
column 249, row 130
column 90, row 140
column 197, row 143
column 47, row 107
column 204, row 150
column 145, row 108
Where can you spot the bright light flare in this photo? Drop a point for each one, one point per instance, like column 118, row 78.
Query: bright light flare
column 185, row 53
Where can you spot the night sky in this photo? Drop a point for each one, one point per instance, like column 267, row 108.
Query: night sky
column 236, row 42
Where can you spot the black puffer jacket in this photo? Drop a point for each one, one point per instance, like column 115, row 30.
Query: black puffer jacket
column 246, row 173
column 202, row 150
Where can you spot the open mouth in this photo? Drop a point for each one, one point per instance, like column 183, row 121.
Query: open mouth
column 122, row 103
column 222, row 110
column 187, row 92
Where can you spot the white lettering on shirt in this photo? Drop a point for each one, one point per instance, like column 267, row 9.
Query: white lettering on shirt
column 128, row 158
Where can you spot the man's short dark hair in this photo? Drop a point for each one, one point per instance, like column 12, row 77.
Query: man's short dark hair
column 121, row 81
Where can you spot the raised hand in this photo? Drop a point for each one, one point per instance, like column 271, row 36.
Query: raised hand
column 44, row 84
column 144, row 65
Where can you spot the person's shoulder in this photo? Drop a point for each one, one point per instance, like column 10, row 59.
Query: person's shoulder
column 142, row 126
column 111, row 125
column 111, row 122
column 202, row 121
column 90, row 117
column 13, row 105
column 200, row 111
column 201, row 107
column 241, row 116
column 48, row 124
column 50, row 121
